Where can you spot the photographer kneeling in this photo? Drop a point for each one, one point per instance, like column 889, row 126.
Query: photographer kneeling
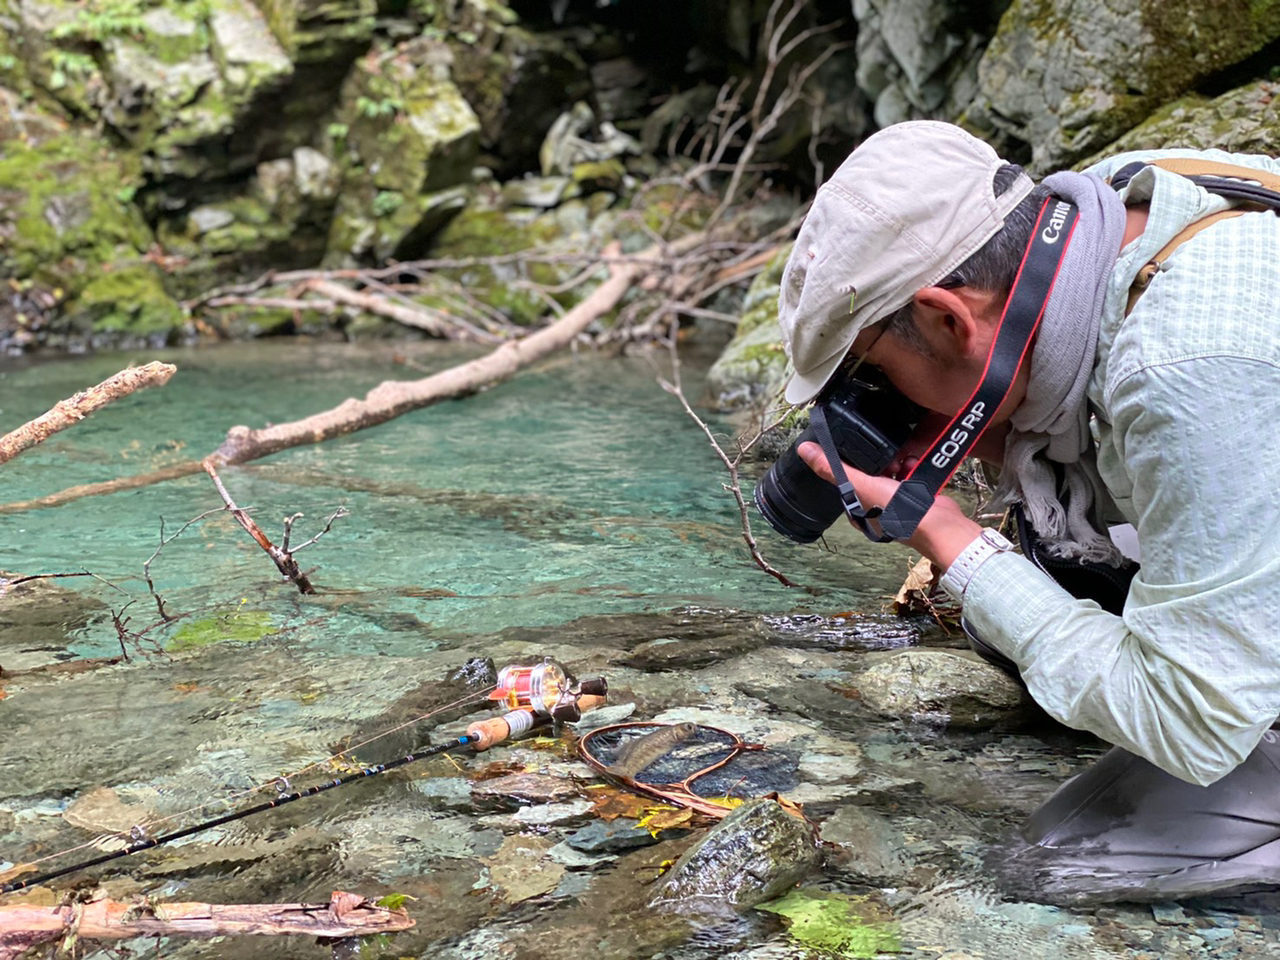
column 1121, row 368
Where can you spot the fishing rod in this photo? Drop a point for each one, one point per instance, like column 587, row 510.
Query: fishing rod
column 536, row 695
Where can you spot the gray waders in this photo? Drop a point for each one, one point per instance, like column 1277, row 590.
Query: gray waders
column 1126, row 830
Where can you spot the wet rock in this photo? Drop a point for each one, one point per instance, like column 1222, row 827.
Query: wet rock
column 755, row 854
column 675, row 653
column 610, row 836
column 6, row 821
column 946, row 687
column 520, row 870
column 516, row 789
column 36, row 619
column 446, row 793
column 563, row 853
column 869, row 846
column 541, row 815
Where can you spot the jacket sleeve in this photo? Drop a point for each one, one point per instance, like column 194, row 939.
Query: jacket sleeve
column 1189, row 676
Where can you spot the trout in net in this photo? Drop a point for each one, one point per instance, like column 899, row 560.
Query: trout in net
column 688, row 764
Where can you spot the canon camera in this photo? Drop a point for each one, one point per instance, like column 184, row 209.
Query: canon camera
column 869, row 421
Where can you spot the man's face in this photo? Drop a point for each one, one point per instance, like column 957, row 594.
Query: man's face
column 959, row 326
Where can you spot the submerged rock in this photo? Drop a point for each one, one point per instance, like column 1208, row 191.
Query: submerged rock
column 954, row 688
column 755, row 854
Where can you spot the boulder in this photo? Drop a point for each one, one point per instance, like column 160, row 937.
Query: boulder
column 753, row 367
column 952, row 688
column 757, row 853
column 1243, row 120
column 1063, row 79
column 408, row 144
column 919, row 58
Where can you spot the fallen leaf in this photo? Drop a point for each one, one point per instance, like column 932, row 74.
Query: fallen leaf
column 665, row 818
column 342, row 903
column 915, row 590
column 614, row 803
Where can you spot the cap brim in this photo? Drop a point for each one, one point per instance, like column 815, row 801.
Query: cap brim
column 802, row 388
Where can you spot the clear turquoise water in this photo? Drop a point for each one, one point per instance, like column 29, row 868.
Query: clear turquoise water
column 577, row 489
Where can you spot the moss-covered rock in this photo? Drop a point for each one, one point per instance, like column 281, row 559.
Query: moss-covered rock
column 1064, row 78
column 516, row 81
column 1243, row 120
column 410, row 142
column 753, row 367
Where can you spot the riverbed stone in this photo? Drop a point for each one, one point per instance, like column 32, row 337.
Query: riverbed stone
column 870, row 847
column 946, row 687
column 610, row 836
column 755, row 854
column 517, row 789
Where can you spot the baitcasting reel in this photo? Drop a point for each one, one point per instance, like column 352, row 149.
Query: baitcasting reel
column 536, row 695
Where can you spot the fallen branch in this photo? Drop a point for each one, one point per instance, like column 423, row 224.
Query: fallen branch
column 345, row 915
column 69, row 412
column 411, row 316
column 392, row 398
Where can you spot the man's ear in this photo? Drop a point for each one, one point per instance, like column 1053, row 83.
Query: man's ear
column 952, row 321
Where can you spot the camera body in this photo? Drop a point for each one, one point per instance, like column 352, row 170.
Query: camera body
column 869, row 422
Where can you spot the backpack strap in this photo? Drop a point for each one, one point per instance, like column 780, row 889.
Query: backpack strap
column 1152, row 266
column 1257, row 190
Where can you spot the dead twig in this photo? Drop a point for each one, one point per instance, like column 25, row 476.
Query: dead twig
column 282, row 557
column 734, row 486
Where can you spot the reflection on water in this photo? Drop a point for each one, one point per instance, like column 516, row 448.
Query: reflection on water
column 574, row 512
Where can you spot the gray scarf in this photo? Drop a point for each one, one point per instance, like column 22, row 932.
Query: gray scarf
column 1052, row 423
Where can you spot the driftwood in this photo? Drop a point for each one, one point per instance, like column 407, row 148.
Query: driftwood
column 392, row 398
column 345, row 915
column 69, row 412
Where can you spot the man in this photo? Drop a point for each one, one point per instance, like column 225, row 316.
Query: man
column 1166, row 415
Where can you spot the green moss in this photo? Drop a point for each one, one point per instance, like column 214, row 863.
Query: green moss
column 129, row 299
column 63, row 198
column 239, row 626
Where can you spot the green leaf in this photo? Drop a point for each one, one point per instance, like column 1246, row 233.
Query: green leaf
column 844, row 926
column 394, row 901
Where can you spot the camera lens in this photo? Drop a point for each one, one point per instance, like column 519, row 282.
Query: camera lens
column 869, row 421
column 797, row 502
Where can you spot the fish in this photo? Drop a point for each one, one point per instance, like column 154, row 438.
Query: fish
column 635, row 755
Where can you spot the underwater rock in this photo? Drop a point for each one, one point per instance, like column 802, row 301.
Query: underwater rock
column 36, row 620
column 517, row 789
column 947, row 687
column 869, row 846
column 674, row 653
column 610, row 836
column 755, row 854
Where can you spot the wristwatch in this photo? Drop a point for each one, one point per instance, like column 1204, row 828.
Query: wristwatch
column 985, row 546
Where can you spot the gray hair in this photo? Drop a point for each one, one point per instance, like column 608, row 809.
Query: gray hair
column 992, row 268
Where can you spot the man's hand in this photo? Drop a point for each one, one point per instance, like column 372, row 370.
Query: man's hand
column 943, row 532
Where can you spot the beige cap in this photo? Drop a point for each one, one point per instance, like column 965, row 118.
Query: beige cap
column 907, row 207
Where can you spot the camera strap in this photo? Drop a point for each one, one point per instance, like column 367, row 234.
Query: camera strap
column 1019, row 321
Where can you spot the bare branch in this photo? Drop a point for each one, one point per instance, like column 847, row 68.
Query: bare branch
column 69, row 412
